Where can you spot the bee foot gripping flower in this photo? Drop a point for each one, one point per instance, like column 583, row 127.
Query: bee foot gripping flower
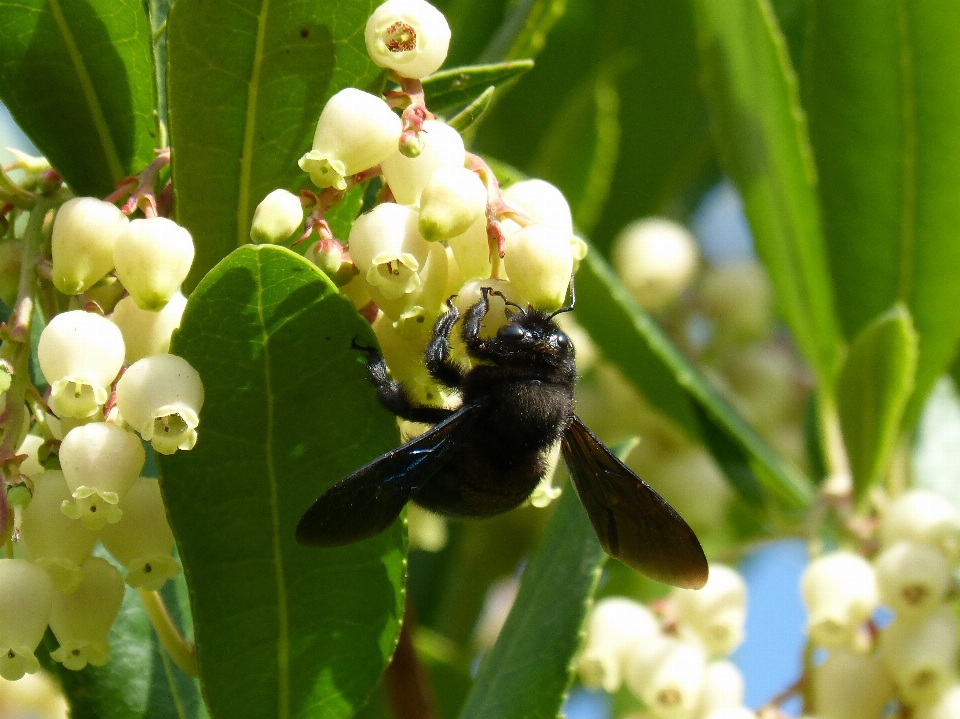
column 410, row 37
column 160, row 397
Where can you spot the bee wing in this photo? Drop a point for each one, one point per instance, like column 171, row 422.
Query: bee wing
column 366, row 502
column 633, row 522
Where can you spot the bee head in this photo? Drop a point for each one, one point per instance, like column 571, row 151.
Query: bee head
column 531, row 336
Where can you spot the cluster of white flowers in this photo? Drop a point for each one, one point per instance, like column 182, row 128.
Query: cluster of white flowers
column 112, row 384
column 675, row 662
column 911, row 660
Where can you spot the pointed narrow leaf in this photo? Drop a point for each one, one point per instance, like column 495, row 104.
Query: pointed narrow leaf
column 472, row 113
column 528, row 671
column 282, row 630
column 886, row 129
column 524, row 30
column 762, row 137
column 450, row 89
column 246, row 83
column 873, row 387
column 629, row 338
column 78, row 78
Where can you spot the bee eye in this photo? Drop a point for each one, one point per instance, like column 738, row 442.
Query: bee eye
column 563, row 342
column 512, row 332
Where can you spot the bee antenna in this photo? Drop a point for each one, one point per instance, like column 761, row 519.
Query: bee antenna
column 573, row 300
column 508, row 303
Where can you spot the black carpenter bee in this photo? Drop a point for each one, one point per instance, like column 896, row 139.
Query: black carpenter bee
column 487, row 456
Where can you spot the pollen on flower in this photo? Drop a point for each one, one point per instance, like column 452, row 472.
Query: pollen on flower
column 400, row 37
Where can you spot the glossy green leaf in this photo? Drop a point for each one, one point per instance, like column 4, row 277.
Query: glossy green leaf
column 762, row 137
column 451, row 89
column 78, row 78
column 630, row 339
column 527, row 673
column 524, row 29
column 472, row 113
column 873, row 387
column 140, row 681
column 886, row 128
column 282, row 630
column 246, row 83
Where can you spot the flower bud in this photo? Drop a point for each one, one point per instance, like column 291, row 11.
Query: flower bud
column 25, row 602
column 142, row 542
column 922, row 516
column 147, row 333
column 921, row 656
column 81, row 621
column 739, row 298
column 840, row 593
column 160, row 397
column 84, row 233
column 453, row 200
column 153, row 259
column 471, row 249
column 410, row 37
column 913, row 578
column 670, row 686
column 31, row 466
column 722, row 687
column 947, row 707
column 717, row 612
column 539, row 261
column 615, row 627
column 100, row 462
column 543, row 203
column 50, row 539
column 80, row 354
column 656, row 259
column 850, row 685
column 388, row 250
column 356, row 131
column 277, row 216
column 407, row 176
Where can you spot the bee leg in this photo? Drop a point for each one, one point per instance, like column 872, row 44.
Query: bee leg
column 441, row 366
column 478, row 346
column 393, row 395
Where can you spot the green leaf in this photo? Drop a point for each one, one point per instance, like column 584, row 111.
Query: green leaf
column 472, row 113
column 873, row 387
column 282, row 630
column 762, row 137
column 630, row 339
column 528, row 671
column 886, row 129
column 246, row 83
column 524, row 30
column 140, row 681
column 451, row 89
column 78, row 78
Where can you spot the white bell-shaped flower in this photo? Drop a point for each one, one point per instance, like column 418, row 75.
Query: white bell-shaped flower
column 147, row 333
column 539, row 261
column 717, row 612
column 947, row 707
column 922, row 516
column 723, row 687
column 657, row 260
column 840, row 594
column 153, row 258
column 81, row 621
column 615, row 626
column 424, row 304
column 60, row 426
column 84, row 232
column 277, row 216
column 356, row 131
column 407, row 176
column 738, row 297
column 142, row 541
column 670, row 684
column 100, row 462
column 410, row 37
column 160, row 397
column 30, row 446
column 913, row 578
column 471, row 249
column 850, row 685
column 26, row 596
column 80, row 354
column 543, row 203
column 921, row 655
column 453, row 200
column 388, row 250
column 50, row 539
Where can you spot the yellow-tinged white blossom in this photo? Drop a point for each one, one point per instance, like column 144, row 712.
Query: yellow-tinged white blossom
column 407, row 176
column 921, row 655
column 84, row 233
column 410, row 37
column 840, row 594
column 153, row 258
column 922, row 516
column 453, row 200
column 850, row 685
column 670, row 681
column 657, row 260
column 616, row 626
column 277, row 216
column 539, row 261
column 947, row 707
column 717, row 612
column 723, row 687
column 147, row 333
column 913, row 578
column 388, row 249
column 25, row 603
